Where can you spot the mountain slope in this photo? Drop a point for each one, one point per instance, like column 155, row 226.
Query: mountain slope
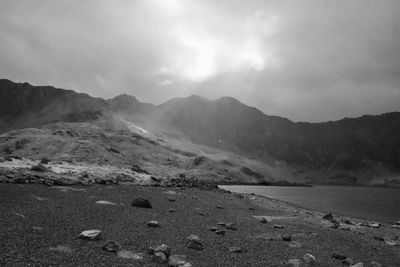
column 23, row 105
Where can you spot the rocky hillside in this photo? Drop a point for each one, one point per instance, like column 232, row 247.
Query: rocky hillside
column 349, row 151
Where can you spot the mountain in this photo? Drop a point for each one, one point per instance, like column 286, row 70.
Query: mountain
column 349, row 151
column 23, row 105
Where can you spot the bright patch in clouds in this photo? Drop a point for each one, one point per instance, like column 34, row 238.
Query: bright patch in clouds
column 199, row 50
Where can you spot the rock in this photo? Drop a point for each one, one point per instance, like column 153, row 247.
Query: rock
column 397, row 223
column 309, row 259
column 106, row 202
column 171, row 210
column 374, row 225
column 194, row 242
column 295, row 244
column 396, row 226
column 278, row 226
column 164, row 249
column 45, row 160
column 293, row 263
column 375, row 264
column 378, row 238
column 252, row 209
column 360, row 264
column 90, row 235
column 391, row 242
column 154, row 224
column 328, row 217
column 338, row 256
column 347, row 262
column 126, row 254
column 177, row 261
column 287, row 237
column 263, row 220
column 220, row 232
column 111, row 246
column 141, row 203
column 231, row 226
column 220, row 223
column 237, row 250
column 213, row 228
column 38, row 228
column 39, row 168
column 220, row 207
column 138, row 169
column 159, row 257
column 170, row 199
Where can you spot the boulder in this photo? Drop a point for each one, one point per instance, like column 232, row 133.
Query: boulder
column 141, row 203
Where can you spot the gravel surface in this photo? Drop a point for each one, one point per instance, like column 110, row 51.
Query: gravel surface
column 39, row 226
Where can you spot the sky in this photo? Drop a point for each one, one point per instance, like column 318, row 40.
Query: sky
column 308, row 60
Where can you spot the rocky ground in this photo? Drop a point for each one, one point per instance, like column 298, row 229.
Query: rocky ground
column 45, row 226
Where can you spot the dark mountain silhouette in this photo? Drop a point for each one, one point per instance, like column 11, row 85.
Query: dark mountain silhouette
column 225, row 123
column 23, row 105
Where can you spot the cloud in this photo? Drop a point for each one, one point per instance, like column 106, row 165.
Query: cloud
column 311, row 60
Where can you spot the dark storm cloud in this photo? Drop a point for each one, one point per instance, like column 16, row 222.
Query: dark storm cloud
column 307, row 60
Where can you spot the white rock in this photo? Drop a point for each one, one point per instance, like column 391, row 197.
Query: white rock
column 309, row 259
column 90, row 235
column 106, row 202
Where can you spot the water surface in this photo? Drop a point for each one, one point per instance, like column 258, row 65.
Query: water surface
column 373, row 203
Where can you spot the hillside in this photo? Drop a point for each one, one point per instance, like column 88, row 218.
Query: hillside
column 361, row 150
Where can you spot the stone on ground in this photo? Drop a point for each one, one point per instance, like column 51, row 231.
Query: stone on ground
column 309, row 259
column 106, row 202
column 111, row 246
column 90, row 235
column 159, row 257
column 153, row 224
column 194, row 242
column 126, row 254
column 293, row 263
column 141, row 203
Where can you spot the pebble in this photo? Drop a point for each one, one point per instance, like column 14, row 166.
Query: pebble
column 263, row 220
column 90, row 235
column 347, row 262
column 171, row 210
column 178, row 261
column 170, row 199
column 38, row 228
column 159, row 257
column 237, row 249
column 391, row 242
column 220, row 207
column 287, row 237
column 220, row 223
column 338, row 256
column 106, row 202
column 295, row 244
column 378, row 238
column 278, row 226
column 220, row 232
column 111, row 246
column 126, row 254
column 154, row 224
column 360, row 264
column 212, row 228
column 309, row 259
column 164, row 249
column 141, row 203
column 231, row 226
column 194, row 242
column 293, row 263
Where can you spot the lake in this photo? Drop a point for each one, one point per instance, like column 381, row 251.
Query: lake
column 373, row 203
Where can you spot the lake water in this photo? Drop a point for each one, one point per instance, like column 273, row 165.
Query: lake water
column 373, row 203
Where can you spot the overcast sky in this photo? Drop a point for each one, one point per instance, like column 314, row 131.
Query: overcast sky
column 308, row 60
